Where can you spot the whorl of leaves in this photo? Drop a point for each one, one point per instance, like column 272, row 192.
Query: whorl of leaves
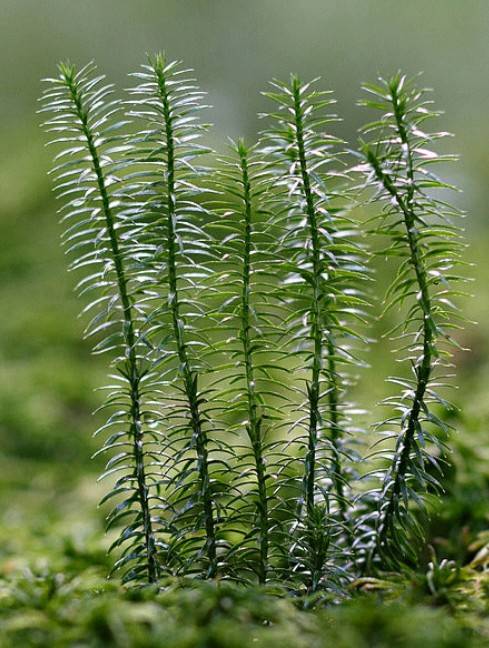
column 86, row 122
column 322, row 265
column 422, row 236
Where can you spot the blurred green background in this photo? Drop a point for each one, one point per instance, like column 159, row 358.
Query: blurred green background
column 47, row 378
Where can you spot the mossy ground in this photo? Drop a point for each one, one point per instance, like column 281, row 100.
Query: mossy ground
column 54, row 590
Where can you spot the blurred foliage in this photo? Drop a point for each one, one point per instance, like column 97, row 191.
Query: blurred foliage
column 52, row 549
column 208, row 616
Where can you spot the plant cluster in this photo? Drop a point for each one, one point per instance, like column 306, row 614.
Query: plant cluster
column 230, row 295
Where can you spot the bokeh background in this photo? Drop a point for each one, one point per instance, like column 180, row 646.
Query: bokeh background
column 47, row 376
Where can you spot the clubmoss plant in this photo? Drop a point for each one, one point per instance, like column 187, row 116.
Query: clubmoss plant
column 422, row 236
column 87, row 119
column 248, row 309
column 167, row 184
column 322, row 290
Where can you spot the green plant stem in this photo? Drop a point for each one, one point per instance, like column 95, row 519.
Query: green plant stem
column 333, row 401
column 189, row 376
column 254, row 420
column 133, row 374
column 423, row 371
column 317, row 335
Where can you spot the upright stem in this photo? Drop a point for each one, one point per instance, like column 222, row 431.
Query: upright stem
column 424, row 368
column 129, row 335
column 254, row 420
column 335, row 430
column 189, row 377
column 317, row 335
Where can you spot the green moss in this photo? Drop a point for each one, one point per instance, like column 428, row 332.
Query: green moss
column 47, row 608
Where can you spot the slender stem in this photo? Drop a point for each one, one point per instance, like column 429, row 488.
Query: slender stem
column 424, row 369
column 254, row 420
column 316, row 332
column 189, row 376
column 335, row 429
column 134, row 377
column 317, row 335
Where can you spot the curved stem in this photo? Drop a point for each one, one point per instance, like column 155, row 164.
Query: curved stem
column 189, row 377
column 254, row 420
column 424, row 368
column 129, row 335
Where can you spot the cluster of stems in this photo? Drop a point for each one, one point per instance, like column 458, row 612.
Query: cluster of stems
column 136, row 201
